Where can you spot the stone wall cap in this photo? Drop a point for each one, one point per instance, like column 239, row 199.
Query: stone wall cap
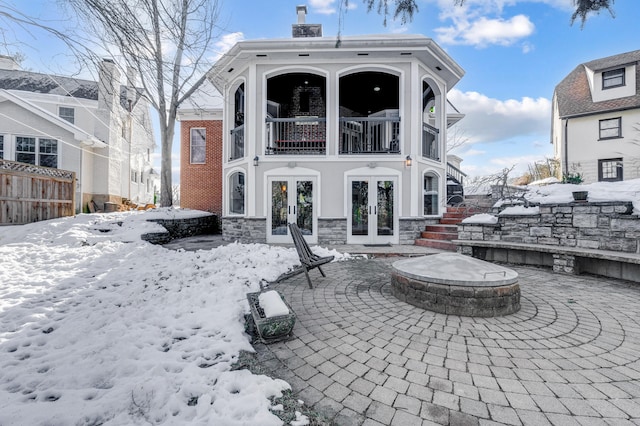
column 456, row 270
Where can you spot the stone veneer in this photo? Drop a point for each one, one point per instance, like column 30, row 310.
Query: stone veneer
column 244, row 229
column 598, row 225
column 332, row 230
column 182, row 228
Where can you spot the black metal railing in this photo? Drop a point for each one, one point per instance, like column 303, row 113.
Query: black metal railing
column 430, row 143
column 300, row 135
column 455, row 173
column 369, row 135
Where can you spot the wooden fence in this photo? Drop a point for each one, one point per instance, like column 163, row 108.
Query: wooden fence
column 31, row 193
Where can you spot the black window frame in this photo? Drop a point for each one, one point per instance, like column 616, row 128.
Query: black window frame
column 619, row 127
column 609, row 75
column 1, row 146
column 618, row 166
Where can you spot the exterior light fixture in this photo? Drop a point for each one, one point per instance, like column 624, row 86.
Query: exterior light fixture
column 407, row 161
column 255, row 160
column 376, row 89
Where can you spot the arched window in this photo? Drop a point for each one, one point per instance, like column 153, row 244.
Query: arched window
column 431, row 194
column 237, row 133
column 236, row 193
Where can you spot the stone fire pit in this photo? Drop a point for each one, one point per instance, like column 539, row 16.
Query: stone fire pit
column 451, row 283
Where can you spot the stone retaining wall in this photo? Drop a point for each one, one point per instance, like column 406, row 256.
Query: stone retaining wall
column 182, row 228
column 598, row 225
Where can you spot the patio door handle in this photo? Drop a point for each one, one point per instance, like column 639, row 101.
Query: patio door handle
column 294, row 209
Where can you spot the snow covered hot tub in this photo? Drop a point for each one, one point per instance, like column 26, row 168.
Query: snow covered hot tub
column 450, row 283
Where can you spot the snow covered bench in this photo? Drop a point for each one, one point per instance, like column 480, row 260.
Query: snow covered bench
column 572, row 260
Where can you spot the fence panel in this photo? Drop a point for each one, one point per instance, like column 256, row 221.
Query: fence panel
column 31, row 193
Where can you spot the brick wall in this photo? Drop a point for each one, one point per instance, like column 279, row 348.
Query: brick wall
column 201, row 184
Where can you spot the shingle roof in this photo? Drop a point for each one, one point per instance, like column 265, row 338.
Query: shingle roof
column 56, row 85
column 574, row 95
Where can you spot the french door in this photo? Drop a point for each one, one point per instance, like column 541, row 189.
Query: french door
column 373, row 210
column 292, row 200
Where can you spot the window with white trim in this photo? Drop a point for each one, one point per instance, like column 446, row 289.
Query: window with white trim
column 198, row 145
column 68, row 114
column 37, row 151
column 611, row 128
column 48, row 152
column 610, row 169
column 236, row 193
column 431, row 194
column 613, row 78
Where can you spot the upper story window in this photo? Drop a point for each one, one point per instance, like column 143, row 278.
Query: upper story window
column 198, row 146
column 611, row 128
column 236, row 150
column 1, row 146
column 41, row 152
column 613, row 78
column 68, row 114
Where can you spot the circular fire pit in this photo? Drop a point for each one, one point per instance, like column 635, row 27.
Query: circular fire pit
column 450, row 283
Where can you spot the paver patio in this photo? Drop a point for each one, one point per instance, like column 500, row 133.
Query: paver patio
column 570, row 356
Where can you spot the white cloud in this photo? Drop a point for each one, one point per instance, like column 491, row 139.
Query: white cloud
column 490, row 120
column 484, row 31
column 324, row 7
column 227, row 42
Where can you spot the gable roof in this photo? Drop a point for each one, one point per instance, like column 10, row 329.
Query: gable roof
column 573, row 93
column 77, row 132
column 28, row 81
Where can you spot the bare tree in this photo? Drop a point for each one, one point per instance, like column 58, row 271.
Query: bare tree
column 456, row 137
column 169, row 44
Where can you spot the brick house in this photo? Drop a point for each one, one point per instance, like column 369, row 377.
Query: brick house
column 201, row 152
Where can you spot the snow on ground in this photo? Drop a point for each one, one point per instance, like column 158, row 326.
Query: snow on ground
column 97, row 326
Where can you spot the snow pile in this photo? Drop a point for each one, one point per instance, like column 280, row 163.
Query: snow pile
column 600, row 191
column 481, row 218
column 97, row 326
column 272, row 304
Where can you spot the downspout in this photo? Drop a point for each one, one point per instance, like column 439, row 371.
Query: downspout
column 566, row 146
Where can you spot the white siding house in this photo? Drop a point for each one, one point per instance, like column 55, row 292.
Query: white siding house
column 596, row 119
column 99, row 130
column 343, row 136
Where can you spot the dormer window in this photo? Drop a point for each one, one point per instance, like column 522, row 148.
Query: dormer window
column 613, row 78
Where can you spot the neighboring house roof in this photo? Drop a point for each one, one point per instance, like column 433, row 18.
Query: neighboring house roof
column 78, row 133
column 57, row 85
column 574, row 96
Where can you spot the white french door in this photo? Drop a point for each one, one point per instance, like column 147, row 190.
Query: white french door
column 373, row 217
column 292, row 200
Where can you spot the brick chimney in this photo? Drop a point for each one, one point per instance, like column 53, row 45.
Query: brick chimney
column 302, row 29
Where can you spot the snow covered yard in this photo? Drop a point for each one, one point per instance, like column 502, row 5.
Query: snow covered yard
column 97, row 326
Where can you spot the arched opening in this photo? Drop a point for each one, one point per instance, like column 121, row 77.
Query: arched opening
column 236, row 193
column 431, row 194
column 430, row 131
column 296, row 114
column 369, row 113
column 237, row 133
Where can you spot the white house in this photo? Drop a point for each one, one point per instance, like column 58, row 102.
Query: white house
column 596, row 119
column 343, row 136
column 99, row 130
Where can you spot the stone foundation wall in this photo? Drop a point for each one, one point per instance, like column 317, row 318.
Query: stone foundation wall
column 332, row 231
column 411, row 227
column 600, row 225
column 244, row 229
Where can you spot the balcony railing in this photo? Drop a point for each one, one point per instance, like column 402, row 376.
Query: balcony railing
column 455, row 173
column 300, row 135
column 237, row 143
column 369, row 135
column 430, row 143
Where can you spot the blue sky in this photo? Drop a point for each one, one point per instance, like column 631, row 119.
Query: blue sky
column 514, row 52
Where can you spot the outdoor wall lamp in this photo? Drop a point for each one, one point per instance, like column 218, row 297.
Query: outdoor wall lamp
column 255, row 160
column 407, row 161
